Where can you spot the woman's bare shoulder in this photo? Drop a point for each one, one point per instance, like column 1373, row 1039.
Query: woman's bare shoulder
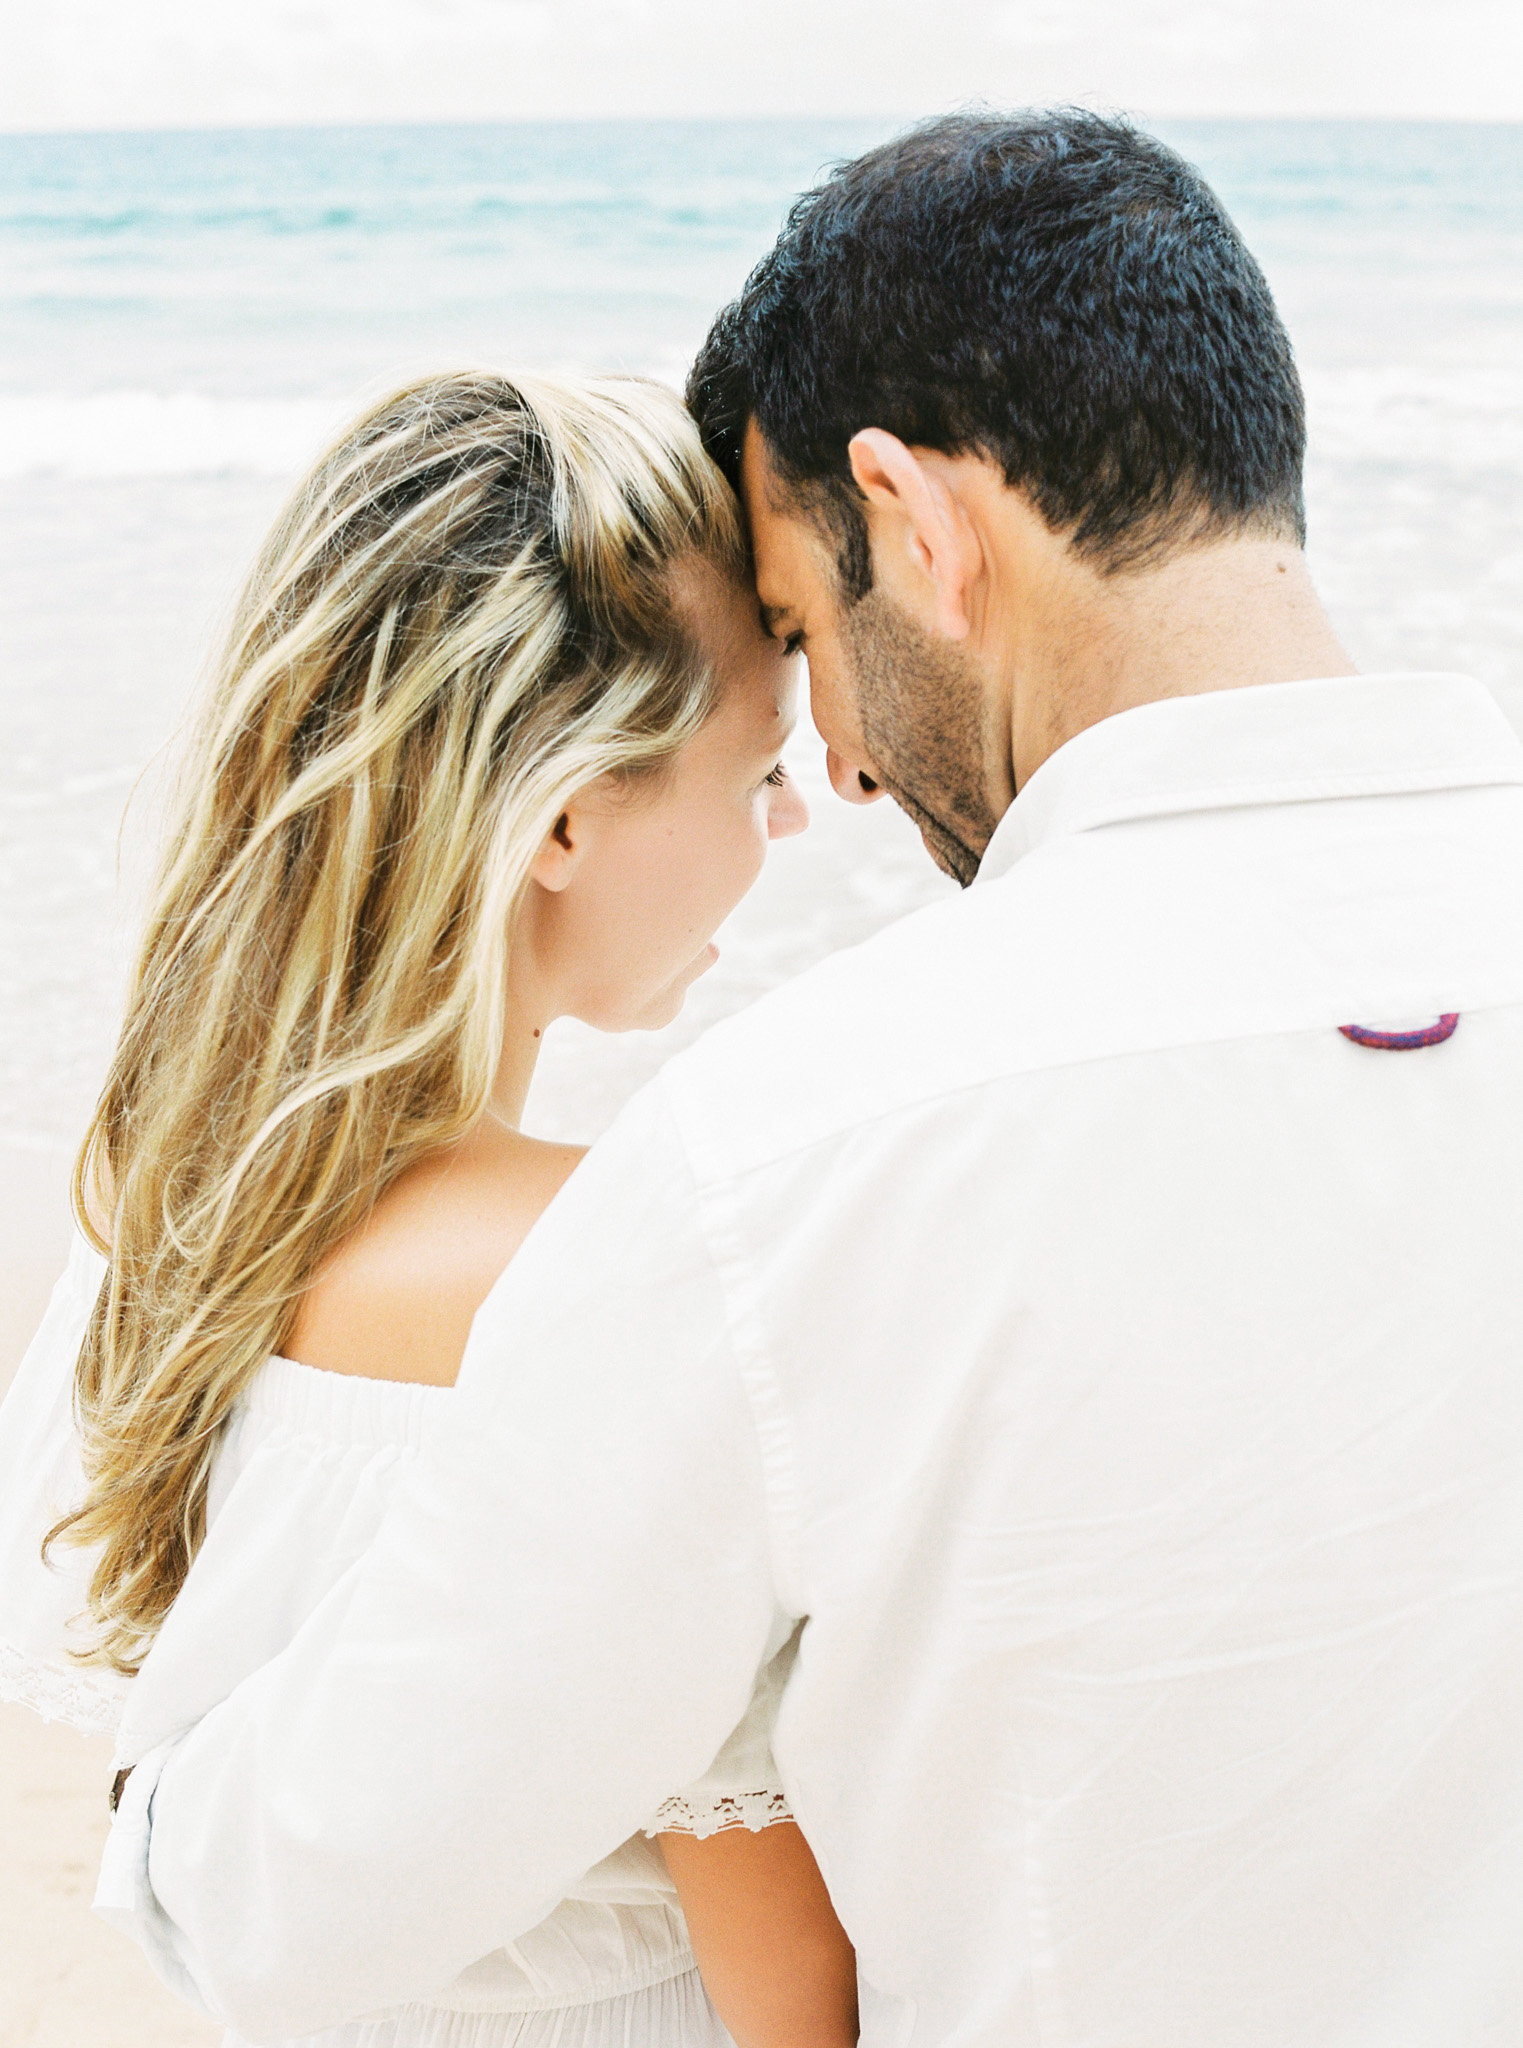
column 395, row 1300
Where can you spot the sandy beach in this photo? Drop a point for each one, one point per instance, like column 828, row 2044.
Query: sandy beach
column 34, row 1238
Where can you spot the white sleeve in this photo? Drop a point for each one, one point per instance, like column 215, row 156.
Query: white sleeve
column 564, row 1612
column 741, row 1788
column 41, row 1479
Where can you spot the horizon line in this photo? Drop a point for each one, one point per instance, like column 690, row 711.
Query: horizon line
column 316, row 123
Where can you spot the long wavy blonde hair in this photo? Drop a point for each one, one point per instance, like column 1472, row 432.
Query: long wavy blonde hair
column 464, row 614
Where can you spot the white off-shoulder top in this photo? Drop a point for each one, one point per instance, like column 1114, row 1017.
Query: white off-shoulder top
column 302, row 1477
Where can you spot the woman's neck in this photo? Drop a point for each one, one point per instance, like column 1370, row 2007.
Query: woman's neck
column 521, row 1040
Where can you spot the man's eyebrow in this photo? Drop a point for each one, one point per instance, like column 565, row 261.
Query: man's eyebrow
column 772, row 616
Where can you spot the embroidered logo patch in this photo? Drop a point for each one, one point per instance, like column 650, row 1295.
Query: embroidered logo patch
column 1403, row 1041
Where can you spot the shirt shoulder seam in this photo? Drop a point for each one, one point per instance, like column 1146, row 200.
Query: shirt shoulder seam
column 1226, row 1035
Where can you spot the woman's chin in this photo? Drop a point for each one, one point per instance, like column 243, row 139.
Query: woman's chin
column 657, row 1015
column 666, row 1006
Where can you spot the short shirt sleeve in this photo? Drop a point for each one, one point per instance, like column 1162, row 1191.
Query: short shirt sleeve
column 741, row 1788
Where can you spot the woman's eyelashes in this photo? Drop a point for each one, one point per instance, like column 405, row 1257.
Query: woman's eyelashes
column 777, row 777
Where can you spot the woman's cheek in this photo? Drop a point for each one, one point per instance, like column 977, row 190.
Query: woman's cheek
column 761, row 837
column 746, row 857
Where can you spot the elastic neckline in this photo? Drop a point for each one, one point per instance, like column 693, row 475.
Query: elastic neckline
column 342, row 1406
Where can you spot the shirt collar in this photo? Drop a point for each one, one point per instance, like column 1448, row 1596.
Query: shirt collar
column 1273, row 743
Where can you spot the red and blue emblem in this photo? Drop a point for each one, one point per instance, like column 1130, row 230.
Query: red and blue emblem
column 1403, row 1041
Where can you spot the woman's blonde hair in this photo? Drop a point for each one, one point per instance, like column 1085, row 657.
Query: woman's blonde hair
column 465, row 614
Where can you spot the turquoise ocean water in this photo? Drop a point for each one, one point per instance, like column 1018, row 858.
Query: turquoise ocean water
column 184, row 316
column 266, row 269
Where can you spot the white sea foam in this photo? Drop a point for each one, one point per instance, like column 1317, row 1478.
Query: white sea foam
column 145, row 433
column 1464, row 418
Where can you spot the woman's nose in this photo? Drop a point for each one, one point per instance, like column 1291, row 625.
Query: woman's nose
column 787, row 813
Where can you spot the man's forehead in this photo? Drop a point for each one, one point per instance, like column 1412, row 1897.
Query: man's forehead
column 759, row 479
column 781, row 534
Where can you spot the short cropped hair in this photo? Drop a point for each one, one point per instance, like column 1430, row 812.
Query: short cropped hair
column 1056, row 291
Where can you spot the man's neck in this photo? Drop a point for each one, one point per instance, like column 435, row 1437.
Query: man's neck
column 1223, row 616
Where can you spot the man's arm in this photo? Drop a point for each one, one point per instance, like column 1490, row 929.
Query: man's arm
column 561, row 1620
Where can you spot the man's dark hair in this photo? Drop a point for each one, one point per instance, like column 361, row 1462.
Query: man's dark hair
column 1056, row 291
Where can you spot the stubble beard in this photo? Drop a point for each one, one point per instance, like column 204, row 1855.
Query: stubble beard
column 922, row 716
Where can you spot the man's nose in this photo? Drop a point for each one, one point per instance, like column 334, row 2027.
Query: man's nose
column 851, row 781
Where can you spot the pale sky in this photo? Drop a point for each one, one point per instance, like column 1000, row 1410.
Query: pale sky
column 151, row 63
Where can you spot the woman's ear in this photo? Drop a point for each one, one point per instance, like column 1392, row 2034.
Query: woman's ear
column 559, row 852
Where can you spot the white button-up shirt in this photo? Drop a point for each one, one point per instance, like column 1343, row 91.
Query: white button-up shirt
column 1119, row 1367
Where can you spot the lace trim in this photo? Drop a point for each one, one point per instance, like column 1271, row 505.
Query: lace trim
column 702, row 1817
column 88, row 1700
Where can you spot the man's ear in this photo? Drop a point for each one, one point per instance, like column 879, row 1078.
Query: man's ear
column 940, row 543
column 559, row 851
